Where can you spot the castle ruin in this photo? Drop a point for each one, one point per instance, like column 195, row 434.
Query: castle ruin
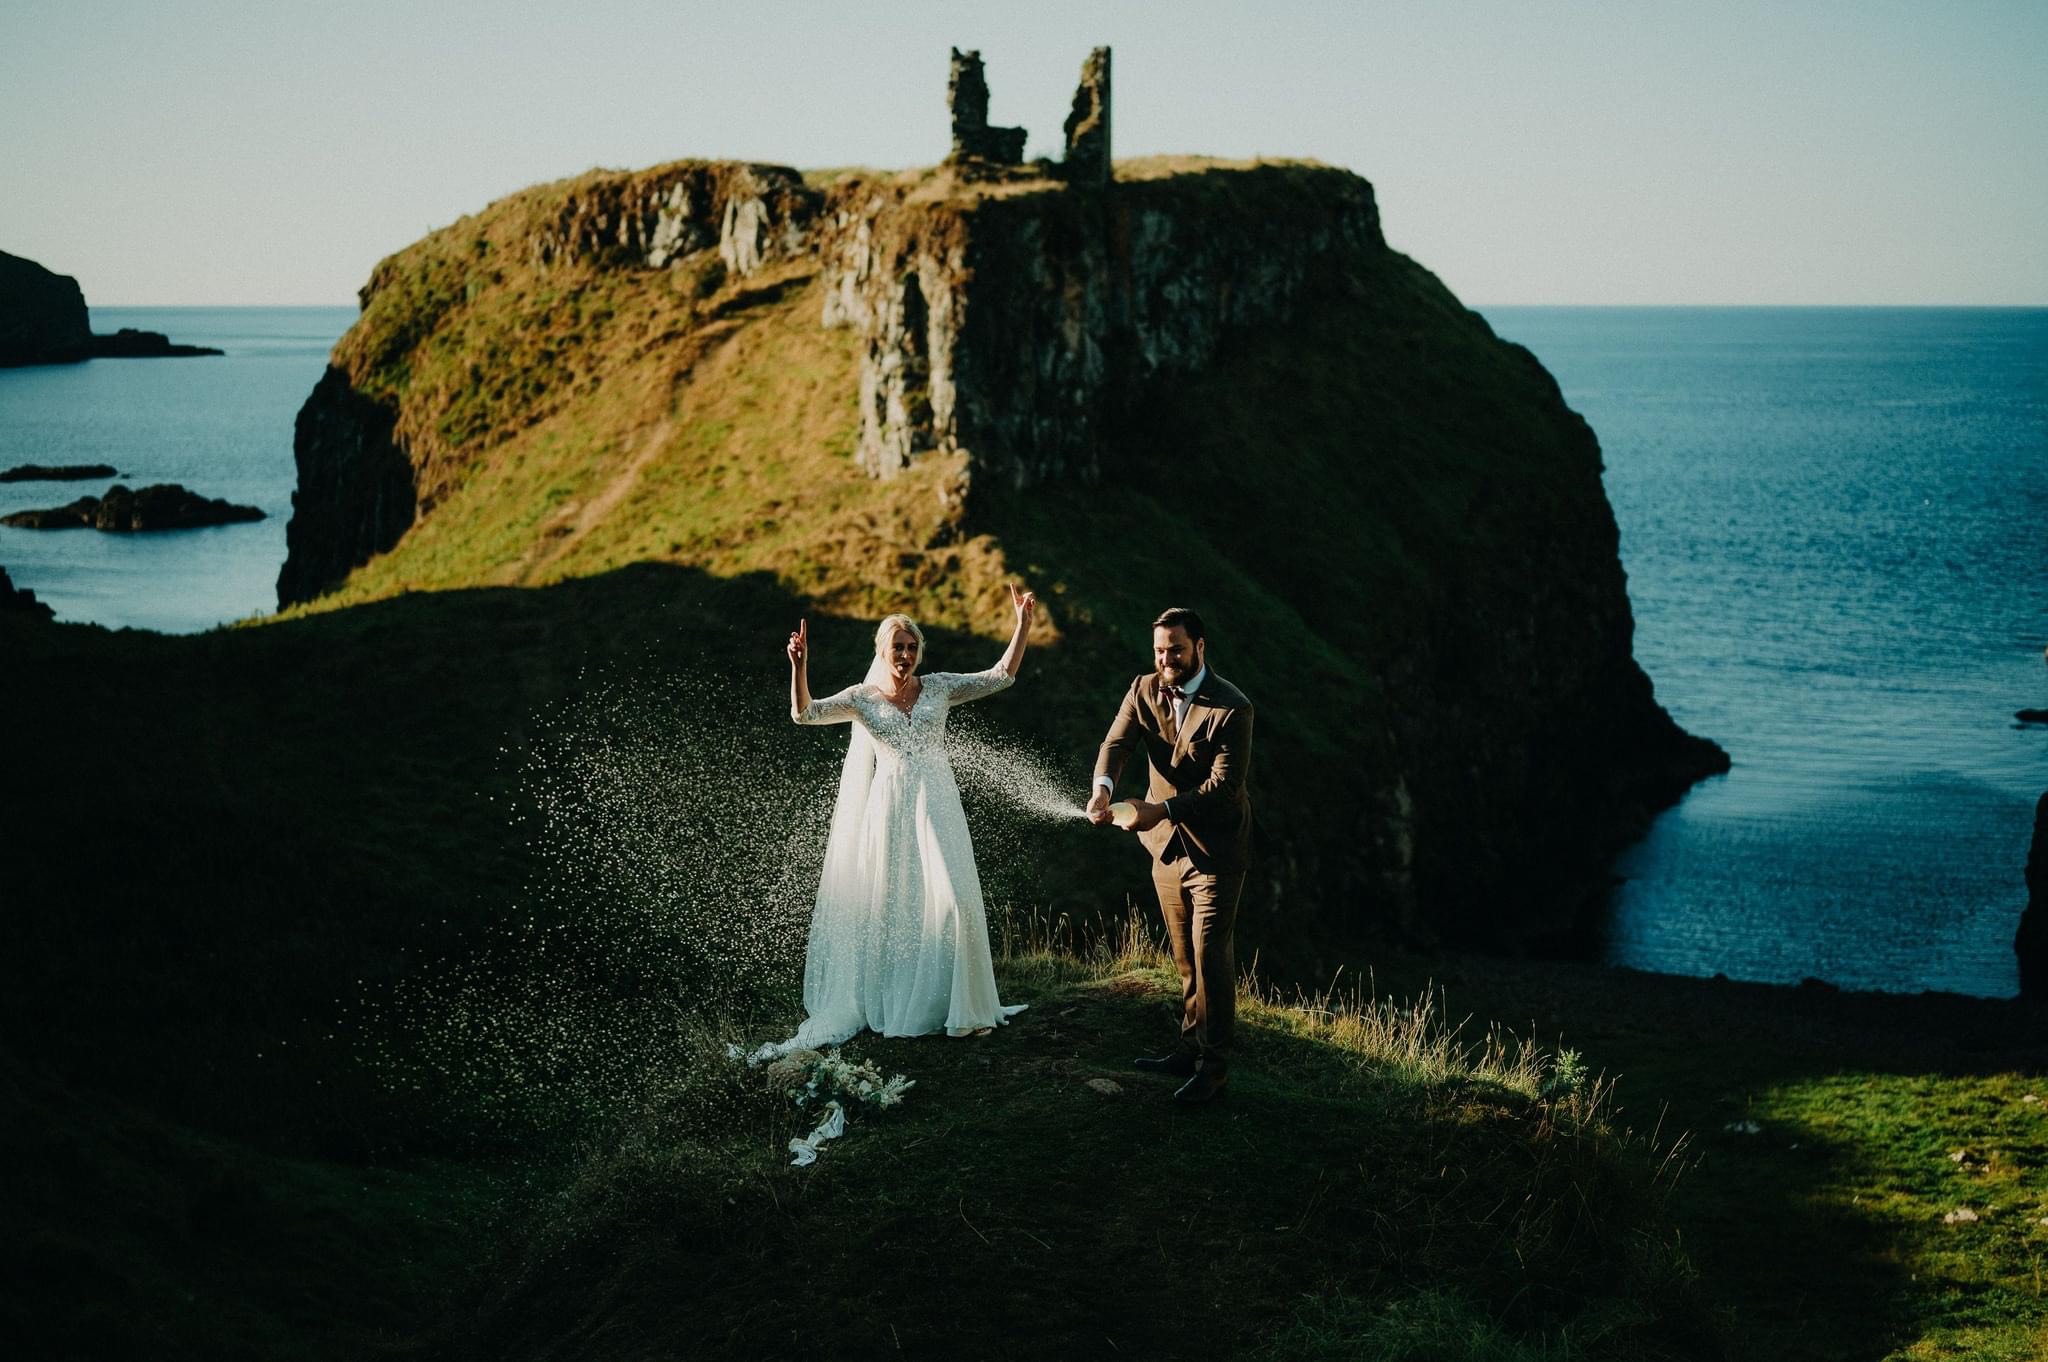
column 984, row 152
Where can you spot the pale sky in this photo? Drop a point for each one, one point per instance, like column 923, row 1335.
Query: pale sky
column 268, row 151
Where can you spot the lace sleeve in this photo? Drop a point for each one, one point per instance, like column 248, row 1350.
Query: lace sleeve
column 833, row 709
column 960, row 687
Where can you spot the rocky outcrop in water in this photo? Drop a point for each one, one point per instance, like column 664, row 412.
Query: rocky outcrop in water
column 42, row 314
column 70, row 472
column 2031, row 942
column 43, row 320
column 160, row 506
column 129, row 343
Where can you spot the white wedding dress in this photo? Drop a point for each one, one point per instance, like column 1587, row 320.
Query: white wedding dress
column 899, row 935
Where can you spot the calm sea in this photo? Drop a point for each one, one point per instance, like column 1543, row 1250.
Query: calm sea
column 1833, row 523
column 221, row 426
column 1835, row 527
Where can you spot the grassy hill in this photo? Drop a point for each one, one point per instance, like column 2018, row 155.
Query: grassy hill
column 237, row 1128
column 372, row 965
column 249, row 1115
column 1375, row 497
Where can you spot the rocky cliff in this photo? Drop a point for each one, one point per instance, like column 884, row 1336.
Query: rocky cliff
column 1013, row 326
column 374, row 451
column 1200, row 383
column 42, row 314
column 2030, row 943
column 43, row 320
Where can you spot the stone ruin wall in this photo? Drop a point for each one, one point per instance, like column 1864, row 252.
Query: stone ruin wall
column 1007, row 327
column 1012, row 328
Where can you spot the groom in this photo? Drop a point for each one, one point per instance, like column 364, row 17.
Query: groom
column 1195, row 730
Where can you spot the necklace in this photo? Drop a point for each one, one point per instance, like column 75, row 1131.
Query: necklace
column 904, row 709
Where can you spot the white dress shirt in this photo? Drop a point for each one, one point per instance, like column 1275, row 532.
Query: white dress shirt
column 1180, row 721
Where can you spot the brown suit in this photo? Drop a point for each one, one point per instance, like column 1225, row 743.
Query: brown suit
column 1200, row 853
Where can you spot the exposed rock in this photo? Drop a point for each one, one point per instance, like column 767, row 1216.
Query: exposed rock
column 752, row 213
column 42, row 314
column 1087, row 161
column 129, row 343
column 160, row 506
column 20, row 601
column 356, row 491
column 976, row 145
column 70, row 472
column 43, row 320
column 364, row 478
column 2031, row 942
column 1044, row 335
column 1012, row 326
column 78, row 515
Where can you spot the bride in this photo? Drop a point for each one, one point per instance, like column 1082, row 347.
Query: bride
column 899, row 935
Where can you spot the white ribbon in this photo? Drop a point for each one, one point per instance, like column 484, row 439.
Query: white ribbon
column 831, row 1128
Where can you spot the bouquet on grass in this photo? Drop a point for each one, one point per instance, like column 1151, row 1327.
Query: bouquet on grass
column 828, row 1082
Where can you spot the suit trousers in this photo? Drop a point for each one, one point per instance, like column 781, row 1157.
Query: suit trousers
column 1201, row 916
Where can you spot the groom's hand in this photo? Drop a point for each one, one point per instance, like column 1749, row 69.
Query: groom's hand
column 1097, row 807
column 1149, row 815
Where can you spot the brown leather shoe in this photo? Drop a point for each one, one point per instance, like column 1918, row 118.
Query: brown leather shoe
column 1206, row 1086
column 1179, row 1064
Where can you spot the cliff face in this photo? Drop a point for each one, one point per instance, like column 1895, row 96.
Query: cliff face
column 42, row 314
column 374, row 451
column 356, row 492
column 1011, row 326
column 751, row 213
column 1202, row 383
column 2030, row 943
column 43, row 320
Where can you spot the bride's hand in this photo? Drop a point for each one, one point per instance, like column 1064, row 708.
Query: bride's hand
column 799, row 643
column 1024, row 603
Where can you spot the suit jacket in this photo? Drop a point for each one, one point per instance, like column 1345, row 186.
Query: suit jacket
column 1201, row 767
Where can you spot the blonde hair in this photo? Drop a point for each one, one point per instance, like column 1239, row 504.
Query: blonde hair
column 887, row 628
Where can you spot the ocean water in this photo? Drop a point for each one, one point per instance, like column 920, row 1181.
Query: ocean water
column 1834, row 524
column 1835, row 528
column 221, row 426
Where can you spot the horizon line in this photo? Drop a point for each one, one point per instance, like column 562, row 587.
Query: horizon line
column 1476, row 307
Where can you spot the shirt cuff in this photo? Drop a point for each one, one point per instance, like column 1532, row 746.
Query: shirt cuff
column 1106, row 783
column 1168, row 806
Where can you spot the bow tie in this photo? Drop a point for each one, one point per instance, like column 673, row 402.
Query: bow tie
column 1174, row 693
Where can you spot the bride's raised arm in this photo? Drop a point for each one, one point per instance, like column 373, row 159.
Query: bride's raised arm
column 832, row 709
column 799, row 668
column 1023, row 602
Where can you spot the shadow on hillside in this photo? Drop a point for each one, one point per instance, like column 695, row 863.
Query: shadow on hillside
column 1035, row 1198
column 220, row 844
column 229, row 834
column 1811, row 1271
column 231, row 829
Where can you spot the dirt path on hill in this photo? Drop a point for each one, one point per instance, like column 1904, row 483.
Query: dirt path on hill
column 565, row 528
column 568, row 526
